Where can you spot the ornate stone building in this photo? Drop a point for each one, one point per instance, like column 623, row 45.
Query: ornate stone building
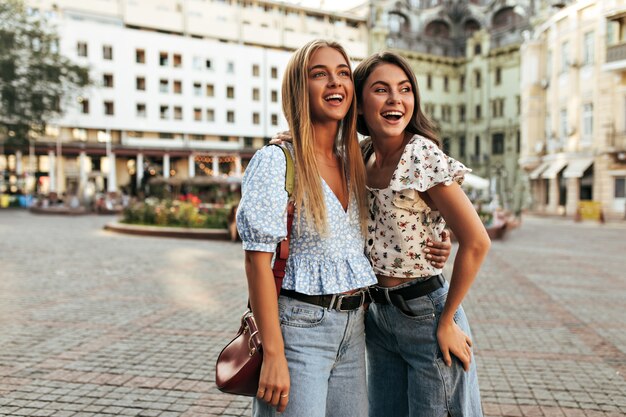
column 466, row 58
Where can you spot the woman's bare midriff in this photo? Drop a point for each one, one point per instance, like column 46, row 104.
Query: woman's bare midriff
column 385, row 281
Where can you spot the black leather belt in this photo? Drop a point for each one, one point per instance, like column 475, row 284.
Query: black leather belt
column 339, row 302
column 382, row 295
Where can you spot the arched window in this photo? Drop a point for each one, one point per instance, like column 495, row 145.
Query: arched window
column 504, row 17
column 437, row 28
column 471, row 26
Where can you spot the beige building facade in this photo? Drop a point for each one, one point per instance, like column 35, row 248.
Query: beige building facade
column 182, row 89
column 466, row 58
column 573, row 119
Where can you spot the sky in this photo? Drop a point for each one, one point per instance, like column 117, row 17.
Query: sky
column 334, row 5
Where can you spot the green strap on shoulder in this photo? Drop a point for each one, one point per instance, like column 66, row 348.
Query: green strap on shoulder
column 290, row 174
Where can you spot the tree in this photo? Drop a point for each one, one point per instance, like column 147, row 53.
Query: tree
column 35, row 79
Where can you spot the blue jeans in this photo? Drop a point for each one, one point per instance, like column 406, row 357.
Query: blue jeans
column 406, row 372
column 325, row 352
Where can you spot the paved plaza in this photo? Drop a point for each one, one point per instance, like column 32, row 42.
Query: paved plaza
column 98, row 324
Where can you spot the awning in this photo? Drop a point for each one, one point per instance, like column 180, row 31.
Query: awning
column 554, row 169
column 577, row 167
column 535, row 174
column 474, row 181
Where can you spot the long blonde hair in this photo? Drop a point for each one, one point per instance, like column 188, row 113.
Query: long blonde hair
column 308, row 193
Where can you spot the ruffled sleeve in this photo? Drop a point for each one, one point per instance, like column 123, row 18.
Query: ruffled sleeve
column 423, row 165
column 262, row 215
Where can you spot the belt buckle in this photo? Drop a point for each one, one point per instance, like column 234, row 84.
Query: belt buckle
column 341, row 297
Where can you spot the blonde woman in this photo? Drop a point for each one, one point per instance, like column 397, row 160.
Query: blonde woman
column 313, row 336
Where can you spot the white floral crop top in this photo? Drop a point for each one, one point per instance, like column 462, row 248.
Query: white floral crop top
column 400, row 222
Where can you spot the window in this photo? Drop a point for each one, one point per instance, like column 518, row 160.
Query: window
column 141, row 110
column 477, row 78
column 446, row 83
column 274, row 119
column 178, row 87
column 256, row 94
column 588, row 49
column 140, row 56
column 164, row 112
column 178, row 113
column 477, row 145
column 230, row 92
column 518, row 141
column 462, row 83
column 274, row 96
column 230, row 116
column 429, row 81
column 210, row 90
column 107, row 52
column 620, row 187
column 164, row 86
column 81, row 48
column 178, row 60
column 197, row 114
column 80, row 134
column 518, row 105
column 429, row 109
column 163, row 59
column 197, row 89
column 107, row 80
column 256, row 118
column 497, row 143
column 207, row 64
column 478, row 112
column 564, row 126
column 498, row 75
column 230, row 67
column 477, row 49
column 446, row 113
column 497, row 107
column 587, row 135
column 462, row 146
column 109, row 110
column 84, row 106
column 247, row 142
column 564, row 57
column 461, row 112
column 140, row 83
column 274, row 73
column 256, row 70
column 210, row 115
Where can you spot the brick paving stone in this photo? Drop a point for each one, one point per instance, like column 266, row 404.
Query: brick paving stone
column 98, row 324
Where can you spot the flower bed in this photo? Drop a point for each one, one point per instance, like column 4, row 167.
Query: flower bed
column 185, row 212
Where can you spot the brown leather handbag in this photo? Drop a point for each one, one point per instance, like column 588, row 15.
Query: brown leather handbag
column 238, row 365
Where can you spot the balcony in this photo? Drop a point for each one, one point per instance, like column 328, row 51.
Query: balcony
column 615, row 57
column 617, row 142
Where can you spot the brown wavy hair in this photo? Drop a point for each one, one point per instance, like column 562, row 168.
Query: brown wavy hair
column 308, row 193
column 420, row 124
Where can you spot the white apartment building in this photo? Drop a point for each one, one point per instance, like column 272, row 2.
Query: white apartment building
column 574, row 108
column 182, row 89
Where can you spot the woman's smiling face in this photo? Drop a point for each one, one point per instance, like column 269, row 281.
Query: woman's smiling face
column 387, row 102
column 330, row 86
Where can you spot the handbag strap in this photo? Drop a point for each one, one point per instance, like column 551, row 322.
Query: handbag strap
column 282, row 250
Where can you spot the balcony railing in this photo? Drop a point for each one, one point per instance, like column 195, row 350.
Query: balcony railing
column 616, row 53
column 617, row 141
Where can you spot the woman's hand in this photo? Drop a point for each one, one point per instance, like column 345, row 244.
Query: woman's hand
column 438, row 253
column 453, row 341
column 274, row 381
column 281, row 137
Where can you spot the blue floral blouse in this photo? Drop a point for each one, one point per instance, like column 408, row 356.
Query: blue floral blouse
column 317, row 265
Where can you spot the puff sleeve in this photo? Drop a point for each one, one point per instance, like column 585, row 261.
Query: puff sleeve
column 423, row 165
column 262, row 214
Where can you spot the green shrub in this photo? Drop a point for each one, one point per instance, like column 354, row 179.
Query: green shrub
column 174, row 214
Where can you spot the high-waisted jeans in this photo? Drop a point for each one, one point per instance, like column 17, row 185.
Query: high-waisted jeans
column 406, row 372
column 325, row 352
